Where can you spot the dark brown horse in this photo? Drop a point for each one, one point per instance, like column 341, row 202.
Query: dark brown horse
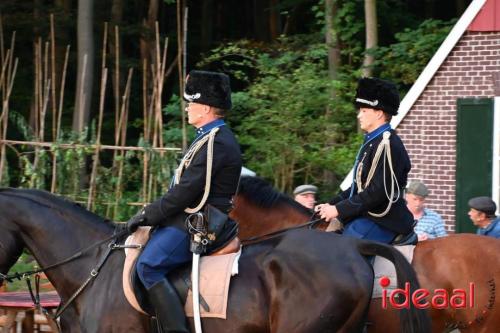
column 285, row 284
column 449, row 263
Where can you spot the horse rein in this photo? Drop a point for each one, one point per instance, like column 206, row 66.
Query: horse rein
column 92, row 275
column 311, row 224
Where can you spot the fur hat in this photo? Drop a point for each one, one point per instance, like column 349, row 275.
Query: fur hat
column 208, row 88
column 377, row 94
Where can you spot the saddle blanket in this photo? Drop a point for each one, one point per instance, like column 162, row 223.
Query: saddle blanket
column 215, row 276
column 383, row 267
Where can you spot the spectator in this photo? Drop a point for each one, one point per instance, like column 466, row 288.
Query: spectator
column 306, row 195
column 429, row 223
column 482, row 214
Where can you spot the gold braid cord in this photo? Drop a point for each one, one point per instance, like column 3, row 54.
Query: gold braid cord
column 383, row 148
column 186, row 161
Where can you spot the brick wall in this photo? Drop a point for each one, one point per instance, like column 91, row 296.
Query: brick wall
column 428, row 130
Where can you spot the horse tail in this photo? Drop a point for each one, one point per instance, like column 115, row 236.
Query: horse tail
column 412, row 319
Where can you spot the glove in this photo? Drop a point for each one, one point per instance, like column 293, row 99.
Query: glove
column 136, row 221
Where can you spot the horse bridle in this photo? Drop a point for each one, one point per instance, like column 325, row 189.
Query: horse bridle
column 311, row 224
column 35, row 296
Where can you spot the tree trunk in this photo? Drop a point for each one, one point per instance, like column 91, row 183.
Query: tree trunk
column 460, row 5
column 371, row 35
column 274, row 19
column 207, row 23
column 85, row 68
column 332, row 42
column 260, row 13
column 33, row 118
column 148, row 35
column 429, row 8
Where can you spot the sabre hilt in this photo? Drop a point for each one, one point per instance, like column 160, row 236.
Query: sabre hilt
column 197, row 226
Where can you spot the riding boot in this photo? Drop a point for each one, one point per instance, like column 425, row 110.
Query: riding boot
column 168, row 307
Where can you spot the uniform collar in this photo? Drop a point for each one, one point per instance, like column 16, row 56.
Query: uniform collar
column 373, row 134
column 201, row 131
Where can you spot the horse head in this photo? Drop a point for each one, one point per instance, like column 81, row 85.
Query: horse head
column 50, row 227
column 259, row 208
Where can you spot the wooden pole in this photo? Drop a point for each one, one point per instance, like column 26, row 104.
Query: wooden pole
column 53, row 76
column 95, row 164
column 117, row 86
column 145, row 115
column 181, row 74
column 123, row 137
column 78, row 145
column 53, row 186
column 4, row 116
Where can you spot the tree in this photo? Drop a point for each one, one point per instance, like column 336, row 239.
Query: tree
column 332, row 41
column 371, row 35
column 85, row 67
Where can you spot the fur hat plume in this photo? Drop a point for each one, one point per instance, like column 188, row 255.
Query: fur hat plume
column 208, row 88
column 377, row 94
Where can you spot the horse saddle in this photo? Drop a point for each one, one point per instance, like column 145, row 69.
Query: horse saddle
column 215, row 273
column 384, row 268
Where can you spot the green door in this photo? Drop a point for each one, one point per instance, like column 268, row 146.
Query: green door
column 474, row 155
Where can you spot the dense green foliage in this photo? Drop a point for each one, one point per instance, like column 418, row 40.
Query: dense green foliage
column 404, row 60
column 295, row 125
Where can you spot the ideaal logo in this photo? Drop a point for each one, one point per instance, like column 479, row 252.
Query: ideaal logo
column 423, row 298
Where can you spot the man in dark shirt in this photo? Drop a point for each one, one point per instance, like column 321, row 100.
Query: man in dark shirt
column 208, row 174
column 374, row 207
column 482, row 214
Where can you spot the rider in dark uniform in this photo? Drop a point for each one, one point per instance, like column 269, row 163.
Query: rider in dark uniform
column 374, row 207
column 214, row 151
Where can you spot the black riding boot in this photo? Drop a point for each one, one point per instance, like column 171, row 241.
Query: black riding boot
column 168, row 307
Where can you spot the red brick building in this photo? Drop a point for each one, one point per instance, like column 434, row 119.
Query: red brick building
column 450, row 118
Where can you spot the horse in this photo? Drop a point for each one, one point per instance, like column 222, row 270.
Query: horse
column 280, row 287
column 450, row 263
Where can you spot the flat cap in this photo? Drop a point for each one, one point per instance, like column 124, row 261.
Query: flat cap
column 304, row 189
column 418, row 188
column 483, row 204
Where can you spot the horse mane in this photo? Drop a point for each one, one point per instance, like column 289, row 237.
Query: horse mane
column 261, row 193
column 55, row 202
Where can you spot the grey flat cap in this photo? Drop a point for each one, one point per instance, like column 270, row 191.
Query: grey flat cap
column 483, row 204
column 304, row 189
column 416, row 187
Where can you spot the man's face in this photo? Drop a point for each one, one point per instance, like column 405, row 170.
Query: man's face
column 477, row 217
column 306, row 199
column 415, row 203
column 370, row 119
column 196, row 113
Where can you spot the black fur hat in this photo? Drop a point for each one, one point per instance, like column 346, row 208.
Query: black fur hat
column 377, row 94
column 208, row 88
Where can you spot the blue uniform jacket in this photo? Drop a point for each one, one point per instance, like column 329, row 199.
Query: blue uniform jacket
column 168, row 210
column 373, row 199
